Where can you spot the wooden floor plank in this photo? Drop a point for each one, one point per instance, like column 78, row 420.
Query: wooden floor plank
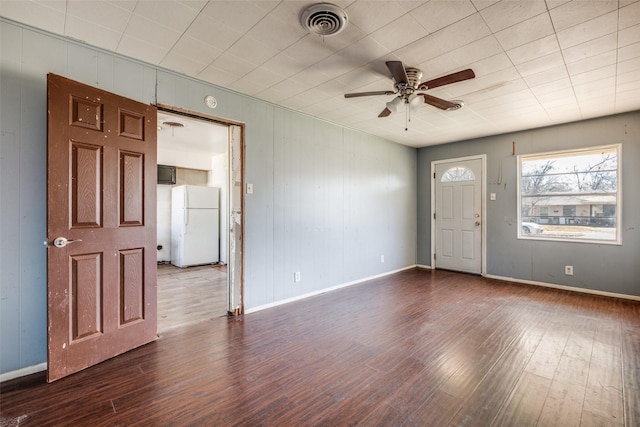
column 436, row 411
column 524, row 406
column 603, row 394
column 563, row 405
column 545, row 359
column 630, row 353
column 414, row 348
column 190, row 295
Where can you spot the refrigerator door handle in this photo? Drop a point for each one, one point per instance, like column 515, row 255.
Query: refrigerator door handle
column 185, row 206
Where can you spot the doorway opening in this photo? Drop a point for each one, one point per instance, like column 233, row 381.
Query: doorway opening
column 194, row 283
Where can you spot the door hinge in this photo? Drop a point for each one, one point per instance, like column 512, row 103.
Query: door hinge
column 434, row 215
column 434, row 256
column 434, row 175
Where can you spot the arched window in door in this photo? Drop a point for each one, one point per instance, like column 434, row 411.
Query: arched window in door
column 458, row 173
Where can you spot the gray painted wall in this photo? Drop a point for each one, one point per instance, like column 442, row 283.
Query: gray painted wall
column 327, row 202
column 609, row 268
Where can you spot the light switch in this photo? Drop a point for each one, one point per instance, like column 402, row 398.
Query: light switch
column 492, row 196
column 249, row 188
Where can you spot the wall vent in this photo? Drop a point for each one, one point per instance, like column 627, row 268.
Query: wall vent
column 324, row 19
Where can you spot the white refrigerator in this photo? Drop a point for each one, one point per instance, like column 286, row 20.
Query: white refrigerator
column 195, row 225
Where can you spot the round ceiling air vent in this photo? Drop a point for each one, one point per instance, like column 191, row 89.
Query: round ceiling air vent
column 324, row 19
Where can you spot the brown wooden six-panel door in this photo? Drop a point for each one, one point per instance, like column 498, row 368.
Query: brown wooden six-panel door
column 101, row 225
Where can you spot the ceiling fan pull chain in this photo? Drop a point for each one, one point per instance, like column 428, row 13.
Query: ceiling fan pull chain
column 407, row 116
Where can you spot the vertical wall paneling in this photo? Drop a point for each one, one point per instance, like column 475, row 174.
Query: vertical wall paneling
column 40, row 54
column 10, row 325
column 366, row 186
column 128, row 78
column 286, row 201
column 82, row 64
column 105, row 74
column 259, row 226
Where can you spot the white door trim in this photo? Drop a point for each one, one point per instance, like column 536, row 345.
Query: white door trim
column 483, row 187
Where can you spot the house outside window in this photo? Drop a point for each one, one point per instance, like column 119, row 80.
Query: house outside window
column 570, row 195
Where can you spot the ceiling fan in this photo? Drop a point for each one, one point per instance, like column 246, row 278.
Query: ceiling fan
column 407, row 83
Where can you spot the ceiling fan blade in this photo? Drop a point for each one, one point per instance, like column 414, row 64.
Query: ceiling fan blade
column 380, row 92
column 448, row 79
column 397, row 71
column 439, row 103
column 384, row 113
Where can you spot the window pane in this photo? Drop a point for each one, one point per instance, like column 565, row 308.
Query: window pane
column 572, row 195
column 458, row 173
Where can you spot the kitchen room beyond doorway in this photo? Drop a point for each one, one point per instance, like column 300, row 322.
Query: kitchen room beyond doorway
column 197, row 151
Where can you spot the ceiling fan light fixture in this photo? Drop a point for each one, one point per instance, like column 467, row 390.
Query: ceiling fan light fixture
column 394, row 104
column 324, row 19
column 415, row 102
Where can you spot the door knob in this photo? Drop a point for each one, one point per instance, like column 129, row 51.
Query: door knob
column 61, row 242
column 477, row 222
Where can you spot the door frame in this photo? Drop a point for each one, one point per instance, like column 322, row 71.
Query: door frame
column 483, row 201
column 196, row 115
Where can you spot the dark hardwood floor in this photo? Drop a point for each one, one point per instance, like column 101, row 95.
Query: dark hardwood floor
column 190, row 295
column 418, row 348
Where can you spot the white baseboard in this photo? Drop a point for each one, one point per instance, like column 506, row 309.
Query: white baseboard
column 564, row 287
column 23, row 372
column 426, row 267
column 322, row 291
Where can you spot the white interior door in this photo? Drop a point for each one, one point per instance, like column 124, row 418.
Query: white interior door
column 458, row 215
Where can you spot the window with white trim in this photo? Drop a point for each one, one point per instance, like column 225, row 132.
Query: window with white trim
column 570, row 195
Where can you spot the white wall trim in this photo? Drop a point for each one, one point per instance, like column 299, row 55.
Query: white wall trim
column 23, row 372
column 322, row 291
column 564, row 287
column 426, row 267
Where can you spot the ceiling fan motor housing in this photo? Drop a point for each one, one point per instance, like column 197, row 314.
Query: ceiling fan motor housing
column 414, row 75
column 324, row 19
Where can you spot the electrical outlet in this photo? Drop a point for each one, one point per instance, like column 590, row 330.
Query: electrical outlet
column 381, row 258
column 568, row 270
column 296, row 276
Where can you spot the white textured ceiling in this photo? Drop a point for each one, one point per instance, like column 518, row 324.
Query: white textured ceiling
column 198, row 137
column 537, row 62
